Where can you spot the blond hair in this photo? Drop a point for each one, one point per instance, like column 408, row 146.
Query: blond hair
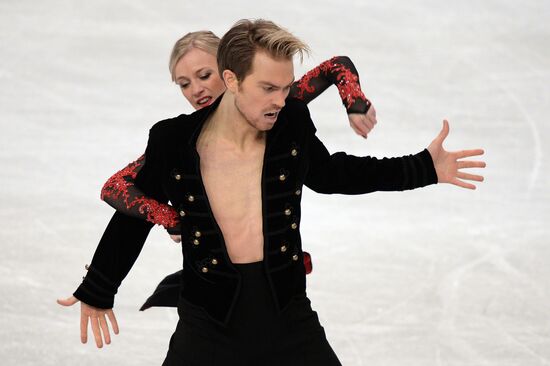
column 204, row 40
column 238, row 46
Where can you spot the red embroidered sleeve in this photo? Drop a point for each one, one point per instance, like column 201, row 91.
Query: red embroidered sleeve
column 120, row 192
column 339, row 71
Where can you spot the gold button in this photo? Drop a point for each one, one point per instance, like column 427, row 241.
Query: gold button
column 283, row 248
column 214, row 261
column 298, row 192
column 294, row 226
column 198, row 234
column 191, row 198
column 295, row 257
column 294, row 152
column 204, row 270
column 196, row 242
column 177, row 176
column 86, row 267
column 288, row 212
column 282, row 177
column 182, row 213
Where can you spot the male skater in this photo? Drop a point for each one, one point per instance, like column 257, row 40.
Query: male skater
column 242, row 163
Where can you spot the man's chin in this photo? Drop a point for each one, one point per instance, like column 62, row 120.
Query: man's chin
column 266, row 126
column 263, row 125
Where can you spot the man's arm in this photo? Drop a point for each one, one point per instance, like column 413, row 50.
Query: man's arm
column 124, row 237
column 117, row 251
column 114, row 256
column 348, row 174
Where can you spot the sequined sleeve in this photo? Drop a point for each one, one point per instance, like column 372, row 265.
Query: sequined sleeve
column 339, row 71
column 121, row 193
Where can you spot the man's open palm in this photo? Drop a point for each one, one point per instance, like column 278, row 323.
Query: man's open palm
column 447, row 164
column 97, row 317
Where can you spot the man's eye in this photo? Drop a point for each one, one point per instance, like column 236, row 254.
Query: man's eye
column 205, row 76
column 268, row 88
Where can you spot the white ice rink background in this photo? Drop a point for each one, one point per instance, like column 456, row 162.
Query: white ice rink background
column 437, row 276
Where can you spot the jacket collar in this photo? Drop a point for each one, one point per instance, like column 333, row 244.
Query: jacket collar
column 202, row 115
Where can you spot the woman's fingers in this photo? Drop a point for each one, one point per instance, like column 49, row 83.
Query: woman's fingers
column 175, row 238
column 357, row 129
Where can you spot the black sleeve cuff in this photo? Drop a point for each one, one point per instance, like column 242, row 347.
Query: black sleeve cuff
column 97, row 290
column 418, row 170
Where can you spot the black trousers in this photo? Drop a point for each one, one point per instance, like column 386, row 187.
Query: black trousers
column 255, row 336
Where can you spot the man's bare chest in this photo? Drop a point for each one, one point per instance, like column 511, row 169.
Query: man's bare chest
column 232, row 181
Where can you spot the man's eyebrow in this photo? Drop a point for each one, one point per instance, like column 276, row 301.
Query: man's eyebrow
column 276, row 86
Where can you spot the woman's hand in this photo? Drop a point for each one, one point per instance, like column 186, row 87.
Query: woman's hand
column 363, row 124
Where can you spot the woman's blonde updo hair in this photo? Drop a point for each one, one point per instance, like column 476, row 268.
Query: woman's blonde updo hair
column 203, row 40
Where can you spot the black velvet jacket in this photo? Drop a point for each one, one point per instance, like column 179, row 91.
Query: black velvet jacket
column 294, row 156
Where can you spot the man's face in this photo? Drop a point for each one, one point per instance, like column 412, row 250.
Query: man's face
column 262, row 93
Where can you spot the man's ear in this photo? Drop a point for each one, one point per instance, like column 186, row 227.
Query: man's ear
column 230, row 80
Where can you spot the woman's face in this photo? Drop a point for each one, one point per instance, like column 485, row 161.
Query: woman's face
column 197, row 75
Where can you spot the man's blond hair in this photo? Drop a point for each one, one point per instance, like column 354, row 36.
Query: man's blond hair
column 203, row 40
column 238, row 46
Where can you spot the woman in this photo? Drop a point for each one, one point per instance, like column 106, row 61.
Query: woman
column 193, row 68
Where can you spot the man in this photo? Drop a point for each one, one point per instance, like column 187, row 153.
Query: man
column 243, row 162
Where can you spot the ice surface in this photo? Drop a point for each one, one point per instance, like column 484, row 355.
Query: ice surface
column 438, row 276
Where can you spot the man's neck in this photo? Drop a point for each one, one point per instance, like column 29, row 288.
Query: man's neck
column 229, row 124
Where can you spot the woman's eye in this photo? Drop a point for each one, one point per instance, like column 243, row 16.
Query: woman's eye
column 184, row 86
column 205, row 76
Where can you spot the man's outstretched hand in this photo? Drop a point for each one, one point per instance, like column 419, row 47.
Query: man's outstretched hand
column 97, row 318
column 447, row 163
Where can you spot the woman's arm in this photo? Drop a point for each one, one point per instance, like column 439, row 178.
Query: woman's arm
column 339, row 71
column 121, row 193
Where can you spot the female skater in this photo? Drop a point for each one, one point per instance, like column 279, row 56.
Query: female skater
column 193, row 68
